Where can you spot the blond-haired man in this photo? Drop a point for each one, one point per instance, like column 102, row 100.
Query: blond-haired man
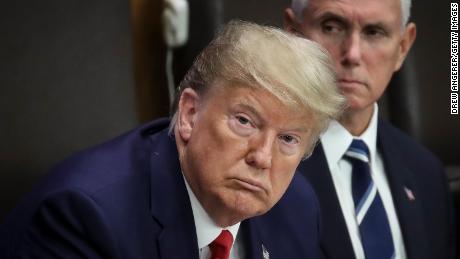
column 250, row 108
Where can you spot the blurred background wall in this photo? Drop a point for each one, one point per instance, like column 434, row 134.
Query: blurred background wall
column 76, row 73
column 73, row 74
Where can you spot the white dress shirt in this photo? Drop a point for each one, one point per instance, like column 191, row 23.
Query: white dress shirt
column 336, row 141
column 207, row 230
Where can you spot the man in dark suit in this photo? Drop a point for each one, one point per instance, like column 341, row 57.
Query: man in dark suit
column 381, row 194
column 244, row 120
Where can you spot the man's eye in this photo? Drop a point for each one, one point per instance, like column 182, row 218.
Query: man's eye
column 332, row 28
column 374, row 32
column 243, row 120
column 288, row 139
column 242, row 125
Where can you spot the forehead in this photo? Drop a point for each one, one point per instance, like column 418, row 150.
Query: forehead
column 357, row 11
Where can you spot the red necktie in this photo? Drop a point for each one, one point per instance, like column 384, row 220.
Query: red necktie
column 220, row 247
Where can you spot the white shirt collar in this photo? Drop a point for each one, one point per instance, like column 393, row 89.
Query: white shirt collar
column 206, row 229
column 337, row 139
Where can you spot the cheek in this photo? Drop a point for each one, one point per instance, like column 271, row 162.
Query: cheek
column 333, row 48
column 225, row 139
column 212, row 141
column 218, row 149
column 281, row 177
column 382, row 59
column 331, row 45
column 380, row 66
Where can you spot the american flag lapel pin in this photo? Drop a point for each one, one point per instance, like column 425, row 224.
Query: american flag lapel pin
column 409, row 194
column 265, row 253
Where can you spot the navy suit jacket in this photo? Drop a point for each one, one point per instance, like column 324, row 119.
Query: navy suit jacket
column 426, row 222
column 127, row 199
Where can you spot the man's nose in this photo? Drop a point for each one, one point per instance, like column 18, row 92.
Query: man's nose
column 351, row 50
column 261, row 151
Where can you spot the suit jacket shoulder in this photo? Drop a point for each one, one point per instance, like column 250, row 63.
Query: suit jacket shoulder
column 420, row 192
column 93, row 205
column 394, row 138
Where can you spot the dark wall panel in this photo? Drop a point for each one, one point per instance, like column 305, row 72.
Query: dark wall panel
column 66, row 83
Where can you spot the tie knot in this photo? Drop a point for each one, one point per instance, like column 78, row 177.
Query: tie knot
column 358, row 150
column 220, row 247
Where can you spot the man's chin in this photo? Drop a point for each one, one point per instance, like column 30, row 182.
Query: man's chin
column 245, row 207
column 355, row 104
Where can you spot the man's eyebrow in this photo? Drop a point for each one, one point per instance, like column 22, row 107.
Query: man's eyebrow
column 382, row 25
column 259, row 118
column 301, row 129
column 243, row 104
column 328, row 15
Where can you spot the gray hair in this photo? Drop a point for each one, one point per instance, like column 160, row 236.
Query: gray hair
column 298, row 7
column 297, row 71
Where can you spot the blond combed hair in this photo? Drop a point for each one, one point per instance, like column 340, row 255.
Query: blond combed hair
column 297, row 71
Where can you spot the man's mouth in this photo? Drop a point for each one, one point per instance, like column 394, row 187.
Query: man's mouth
column 350, row 83
column 250, row 184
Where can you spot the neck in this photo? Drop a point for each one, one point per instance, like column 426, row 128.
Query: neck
column 224, row 221
column 357, row 121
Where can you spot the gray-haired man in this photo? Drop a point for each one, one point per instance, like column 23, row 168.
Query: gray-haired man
column 381, row 194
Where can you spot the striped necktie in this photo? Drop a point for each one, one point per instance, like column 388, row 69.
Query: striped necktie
column 371, row 217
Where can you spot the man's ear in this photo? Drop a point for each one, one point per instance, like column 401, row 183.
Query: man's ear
column 290, row 21
column 187, row 113
column 406, row 43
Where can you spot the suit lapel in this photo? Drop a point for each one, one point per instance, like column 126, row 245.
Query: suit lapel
column 335, row 240
column 170, row 205
column 252, row 240
column 404, row 191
